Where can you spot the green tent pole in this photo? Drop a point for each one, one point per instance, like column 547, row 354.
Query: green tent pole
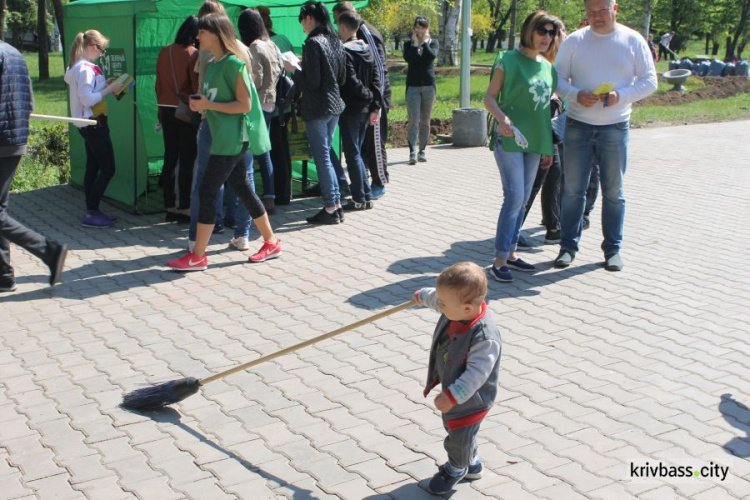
column 135, row 123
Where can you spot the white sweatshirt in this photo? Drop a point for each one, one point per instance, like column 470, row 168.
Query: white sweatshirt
column 587, row 59
column 86, row 82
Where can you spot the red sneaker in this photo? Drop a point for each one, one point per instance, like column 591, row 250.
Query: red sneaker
column 267, row 252
column 189, row 262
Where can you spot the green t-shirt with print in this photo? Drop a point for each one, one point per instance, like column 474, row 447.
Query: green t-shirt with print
column 230, row 131
column 525, row 98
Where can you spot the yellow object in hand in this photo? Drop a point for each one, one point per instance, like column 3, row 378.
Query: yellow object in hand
column 603, row 89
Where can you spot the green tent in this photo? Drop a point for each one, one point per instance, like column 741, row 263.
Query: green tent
column 137, row 30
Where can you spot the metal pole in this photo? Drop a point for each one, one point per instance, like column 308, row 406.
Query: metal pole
column 465, row 89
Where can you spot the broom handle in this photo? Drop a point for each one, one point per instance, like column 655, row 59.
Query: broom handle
column 306, row 343
column 75, row 121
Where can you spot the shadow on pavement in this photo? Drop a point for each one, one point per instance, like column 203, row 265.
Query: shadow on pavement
column 481, row 252
column 738, row 416
column 172, row 416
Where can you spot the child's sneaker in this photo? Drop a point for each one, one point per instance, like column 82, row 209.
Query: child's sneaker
column 189, row 262
column 442, row 482
column 475, row 472
column 240, row 243
column 267, row 252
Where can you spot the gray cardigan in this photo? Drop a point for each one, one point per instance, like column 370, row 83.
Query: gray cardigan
column 472, row 366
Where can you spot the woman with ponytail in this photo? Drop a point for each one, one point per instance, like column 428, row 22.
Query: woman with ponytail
column 228, row 97
column 321, row 76
column 88, row 88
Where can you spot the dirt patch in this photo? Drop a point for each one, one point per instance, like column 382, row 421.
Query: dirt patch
column 716, row 88
column 397, row 132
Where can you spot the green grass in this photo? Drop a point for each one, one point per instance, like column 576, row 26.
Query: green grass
column 50, row 98
column 447, row 95
column 736, row 107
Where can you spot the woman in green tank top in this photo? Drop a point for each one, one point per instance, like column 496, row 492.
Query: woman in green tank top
column 519, row 98
column 228, row 95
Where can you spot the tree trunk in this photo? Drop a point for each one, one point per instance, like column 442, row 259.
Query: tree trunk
column 647, row 19
column 2, row 19
column 43, row 39
column 708, row 39
column 512, row 37
column 732, row 42
column 396, row 41
column 58, row 9
column 448, row 37
column 491, row 43
column 715, row 48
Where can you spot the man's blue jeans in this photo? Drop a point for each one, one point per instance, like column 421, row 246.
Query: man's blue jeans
column 517, row 171
column 320, row 136
column 353, row 129
column 242, row 220
column 610, row 145
column 201, row 164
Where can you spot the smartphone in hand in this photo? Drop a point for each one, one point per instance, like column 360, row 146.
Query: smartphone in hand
column 195, row 97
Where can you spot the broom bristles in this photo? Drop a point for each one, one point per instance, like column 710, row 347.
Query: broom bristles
column 161, row 395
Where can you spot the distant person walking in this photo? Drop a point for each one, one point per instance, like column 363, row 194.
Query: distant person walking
column 664, row 49
column 606, row 52
column 16, row 103
column 420, row 51
column 88, row 88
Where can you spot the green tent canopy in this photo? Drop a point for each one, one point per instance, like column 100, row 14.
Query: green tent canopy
column 137, row 30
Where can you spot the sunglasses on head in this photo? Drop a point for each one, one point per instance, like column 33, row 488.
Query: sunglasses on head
column 544, row 31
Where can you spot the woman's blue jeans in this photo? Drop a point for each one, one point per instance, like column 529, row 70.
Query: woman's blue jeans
column 517, row 172
column 320, row 136
column 266, row 165
column 242, row 219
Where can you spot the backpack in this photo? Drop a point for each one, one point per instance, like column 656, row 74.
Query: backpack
column 285, row 90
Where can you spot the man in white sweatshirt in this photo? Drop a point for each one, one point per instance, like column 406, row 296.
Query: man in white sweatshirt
column 598, row 122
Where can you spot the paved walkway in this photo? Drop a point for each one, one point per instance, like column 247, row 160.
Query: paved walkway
column 601, row 372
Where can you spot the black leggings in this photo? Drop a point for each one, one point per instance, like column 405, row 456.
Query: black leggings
column 230, row 169
column 100, row 163
column 179, row 144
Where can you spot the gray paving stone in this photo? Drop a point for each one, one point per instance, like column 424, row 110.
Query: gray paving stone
column 598, row 368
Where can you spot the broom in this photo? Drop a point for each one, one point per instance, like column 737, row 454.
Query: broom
column 174, row 391
column 75, row 121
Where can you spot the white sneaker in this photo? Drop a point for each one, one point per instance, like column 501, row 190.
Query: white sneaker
column 240, row 243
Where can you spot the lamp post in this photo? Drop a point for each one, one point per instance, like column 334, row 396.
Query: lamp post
column 465, row 88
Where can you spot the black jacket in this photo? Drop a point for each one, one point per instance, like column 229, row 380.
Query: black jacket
column 380, row 46
column 16, row 102
column 421, row 72
column 323, row 73
column 361, row 92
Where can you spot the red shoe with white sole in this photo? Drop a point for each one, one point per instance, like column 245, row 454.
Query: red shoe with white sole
column 189, row 262
column 267, row 252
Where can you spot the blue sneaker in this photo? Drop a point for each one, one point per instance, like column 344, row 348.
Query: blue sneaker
column 521, row 265
column 96, row 219
column 502, row 274
column 475, row 472
column 442, row 482
column 377, row 192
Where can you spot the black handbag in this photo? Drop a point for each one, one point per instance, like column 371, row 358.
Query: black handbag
column 183, row 111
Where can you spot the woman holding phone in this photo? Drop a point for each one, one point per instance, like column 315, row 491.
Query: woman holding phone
column 226, row 99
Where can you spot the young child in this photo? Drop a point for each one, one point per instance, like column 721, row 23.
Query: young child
column 465, row 360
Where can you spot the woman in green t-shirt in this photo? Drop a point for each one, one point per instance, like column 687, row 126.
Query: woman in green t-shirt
column 519, row 98
column 226, row 100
